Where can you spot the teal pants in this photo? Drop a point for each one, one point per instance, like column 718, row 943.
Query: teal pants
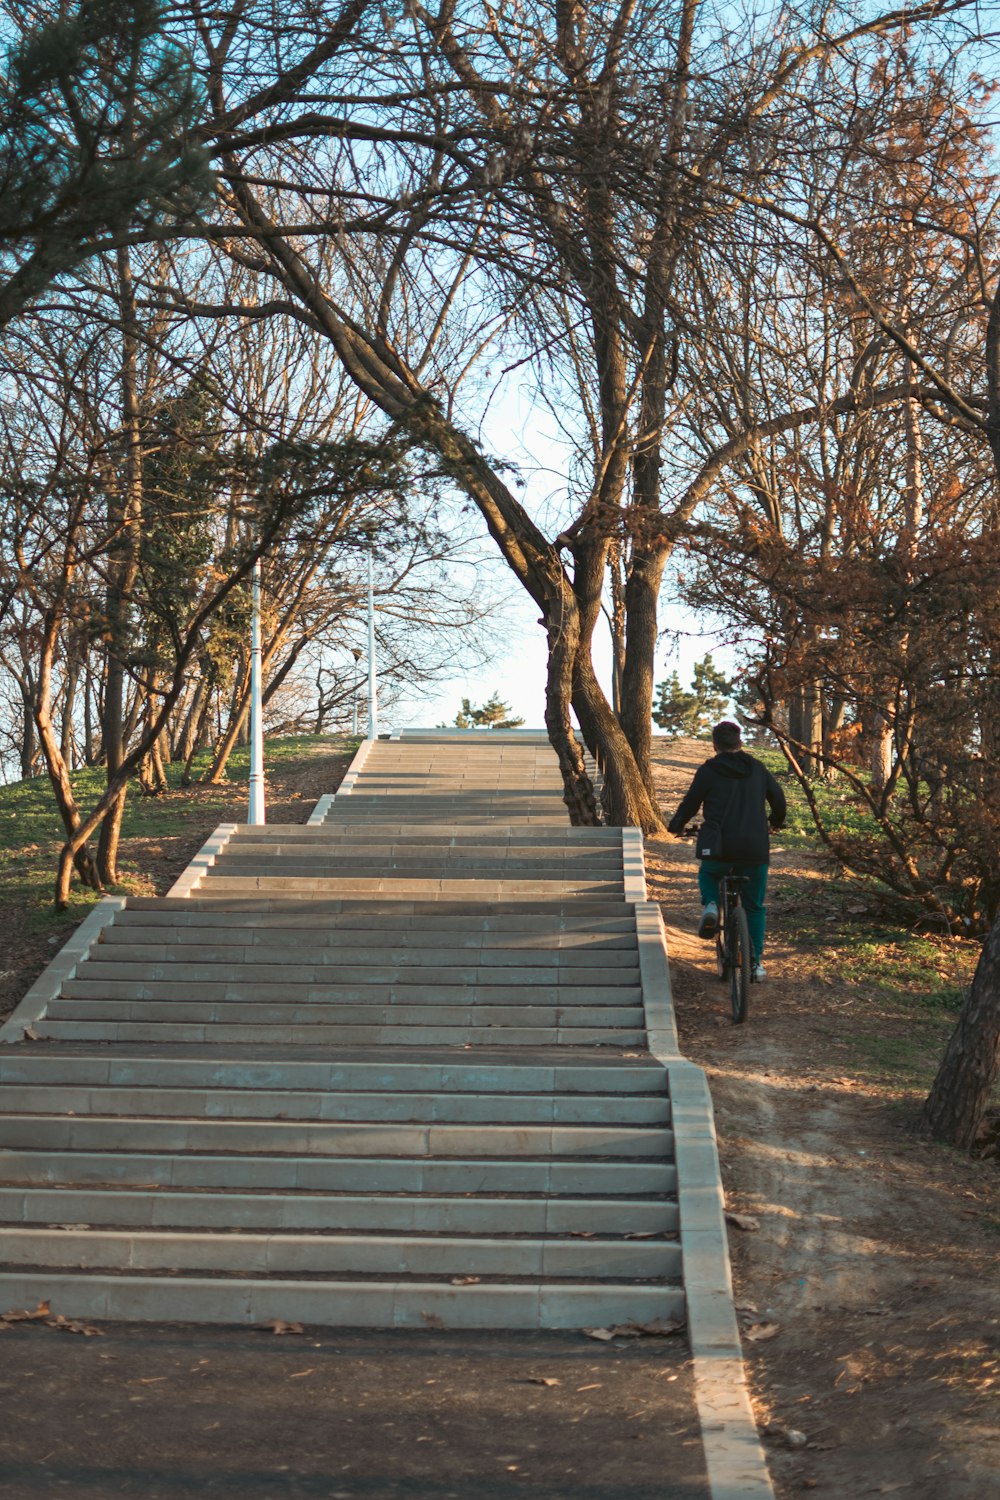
column 711, row 871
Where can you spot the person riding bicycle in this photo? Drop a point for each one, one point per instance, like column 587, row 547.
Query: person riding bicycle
column 740, row 794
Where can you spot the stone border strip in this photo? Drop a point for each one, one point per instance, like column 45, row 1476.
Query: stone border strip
column 654, row 979
column 321, row 811
column 48, row 985
column 209, row 852
column 734, row 1457
column 634, row 865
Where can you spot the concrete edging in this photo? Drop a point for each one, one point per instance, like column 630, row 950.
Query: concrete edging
column 734, row 1458
column 633, row 864
column 321, row 811
column 209, row 852
column 48, row 985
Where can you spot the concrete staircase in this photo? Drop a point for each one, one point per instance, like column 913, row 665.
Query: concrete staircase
column 388, row 1068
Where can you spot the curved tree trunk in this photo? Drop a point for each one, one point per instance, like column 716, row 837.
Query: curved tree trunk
column 564, row 635
column 961, row 1091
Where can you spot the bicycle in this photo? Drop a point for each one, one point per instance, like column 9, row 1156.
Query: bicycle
column 733, row 954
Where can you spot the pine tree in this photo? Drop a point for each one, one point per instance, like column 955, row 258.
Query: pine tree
column 493, row 715
column 693, row 712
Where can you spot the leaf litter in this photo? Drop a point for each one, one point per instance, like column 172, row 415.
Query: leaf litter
column 658, row 1328
column 44, row 1315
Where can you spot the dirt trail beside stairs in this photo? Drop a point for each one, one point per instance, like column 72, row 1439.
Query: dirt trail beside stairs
column 869, row 1292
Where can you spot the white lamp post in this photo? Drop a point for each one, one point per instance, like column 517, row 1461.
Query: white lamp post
column 372, row 684
column 255, row 813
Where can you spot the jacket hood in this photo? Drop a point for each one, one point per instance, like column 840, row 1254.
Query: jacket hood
column 735, row 763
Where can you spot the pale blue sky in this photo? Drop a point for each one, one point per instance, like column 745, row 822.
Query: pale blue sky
column 524, row 433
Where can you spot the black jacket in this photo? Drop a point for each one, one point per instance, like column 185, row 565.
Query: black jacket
column 736, row 791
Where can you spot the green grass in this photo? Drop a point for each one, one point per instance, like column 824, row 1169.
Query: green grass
column 31, row 831
column 902, row 986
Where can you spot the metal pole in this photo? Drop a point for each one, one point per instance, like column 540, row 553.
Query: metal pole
column 372, row 684
column 354, row 716
column 255, row 812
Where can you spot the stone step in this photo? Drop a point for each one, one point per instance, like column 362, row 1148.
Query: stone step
column 384, row 1304
column 502, row 918
column 342, row 1035
column 422, row 1005
column 262, row 1104
column 222, row 885
column 390, row 826
column 328, row 1137
column 525, row 1176
column 152, row 945
column 434, row 1257
column 461, row 840
column 331, row 865
column 337, row 1018
column 314, row 840
column 339, row 975
column 342, row 1076
column 320, row 1211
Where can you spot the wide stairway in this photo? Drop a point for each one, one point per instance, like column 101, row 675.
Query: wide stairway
column 386, row 1068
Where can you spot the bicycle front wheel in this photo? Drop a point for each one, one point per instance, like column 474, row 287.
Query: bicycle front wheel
column 741, row 963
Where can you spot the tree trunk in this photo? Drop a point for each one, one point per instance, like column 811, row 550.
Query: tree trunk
column 578, row 789
column 642, row 593
column 880, row 750
column 126, row 514
column 626, row 800
column 68, row 739
column 961, row 1091
column 616, row 569
column 58, row 772
column 28, row 706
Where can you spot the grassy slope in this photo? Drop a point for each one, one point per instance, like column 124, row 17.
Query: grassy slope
column 159, row 837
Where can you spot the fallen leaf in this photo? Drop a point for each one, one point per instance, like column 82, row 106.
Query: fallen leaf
column 465, row 1280
column 541, row 1380
column 742, row 1221
column 31, row 1034
column 22, row 1315
column 298, row 1374
column 278, row 1325
column 642, row 1234
column 758, row 1332
column 657, row 1328
column 582, row 1234
column 73, row 1325
column 595, row 1387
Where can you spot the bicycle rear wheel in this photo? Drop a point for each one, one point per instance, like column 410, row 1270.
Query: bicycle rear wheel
column 742, row 961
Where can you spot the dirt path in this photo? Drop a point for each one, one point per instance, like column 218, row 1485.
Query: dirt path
column 875, row 1257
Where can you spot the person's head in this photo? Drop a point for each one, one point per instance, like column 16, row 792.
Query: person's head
column 726, row 736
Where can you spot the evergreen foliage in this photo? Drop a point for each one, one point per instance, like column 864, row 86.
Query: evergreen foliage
column 679, row 712
column 97, row 113
column 494, row 714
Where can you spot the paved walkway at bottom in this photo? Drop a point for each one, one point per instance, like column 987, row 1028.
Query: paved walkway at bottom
column 164, row 1413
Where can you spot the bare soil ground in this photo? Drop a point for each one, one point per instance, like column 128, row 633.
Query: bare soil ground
column 873, row 1273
